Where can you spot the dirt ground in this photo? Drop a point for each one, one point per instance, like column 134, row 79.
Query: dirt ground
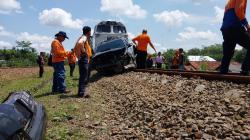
column 8, row 74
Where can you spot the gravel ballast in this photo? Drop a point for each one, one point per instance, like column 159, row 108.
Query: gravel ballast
column 152, row 106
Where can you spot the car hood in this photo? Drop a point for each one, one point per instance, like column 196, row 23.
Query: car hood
column 112, row 51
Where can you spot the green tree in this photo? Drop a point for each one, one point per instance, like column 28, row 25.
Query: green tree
column 20, row 55
column 194, row 51
column 239, row 55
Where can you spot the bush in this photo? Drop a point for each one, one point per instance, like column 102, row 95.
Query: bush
column 20, row 63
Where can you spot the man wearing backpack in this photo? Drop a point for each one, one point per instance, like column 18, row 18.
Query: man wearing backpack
column 235, row 30
column 83, row 52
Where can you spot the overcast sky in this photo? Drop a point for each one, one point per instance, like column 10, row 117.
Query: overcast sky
column 170, row 23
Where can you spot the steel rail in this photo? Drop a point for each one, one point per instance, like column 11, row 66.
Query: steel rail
column 231, row 77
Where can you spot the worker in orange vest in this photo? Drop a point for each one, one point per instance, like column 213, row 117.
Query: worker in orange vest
column 72, row 61
column 59, row 55
column 235, row 30
column 84, row 53
column 142, row 42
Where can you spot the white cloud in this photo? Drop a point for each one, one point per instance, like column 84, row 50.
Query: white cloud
column 3, row 32
column 172, row 18
column 199, row 2
column 59, row 17
column 5, row 45
column 219, row 13
column 8, row 6
column 191, row 33
column 123, row 8
column 39, row 42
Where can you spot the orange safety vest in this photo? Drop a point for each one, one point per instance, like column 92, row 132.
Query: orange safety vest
column 58, row 52
column 142, row 41
column 82, row 46
column 72, row 58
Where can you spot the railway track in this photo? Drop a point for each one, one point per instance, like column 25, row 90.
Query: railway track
column 230, row 77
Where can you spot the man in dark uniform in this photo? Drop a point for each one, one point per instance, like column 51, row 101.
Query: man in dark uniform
column 235, row 30
column 41, row 63
column 181, row 59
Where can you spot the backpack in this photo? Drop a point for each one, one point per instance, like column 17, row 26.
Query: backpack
column 38, row 61
column 50, row 60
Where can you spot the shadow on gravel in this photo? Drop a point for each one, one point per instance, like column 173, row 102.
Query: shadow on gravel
column 95, row 77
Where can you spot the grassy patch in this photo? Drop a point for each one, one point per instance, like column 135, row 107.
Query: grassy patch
column 69, row 117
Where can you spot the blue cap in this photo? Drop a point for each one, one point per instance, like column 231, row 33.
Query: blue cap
column 61, row 33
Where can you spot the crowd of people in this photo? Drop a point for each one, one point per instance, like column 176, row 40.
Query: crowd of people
column 82, row 51
column 176, row 62
column 145, row 60
column 235, row 30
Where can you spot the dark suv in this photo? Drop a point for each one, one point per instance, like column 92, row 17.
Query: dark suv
column 114, row 55
column 22, row 118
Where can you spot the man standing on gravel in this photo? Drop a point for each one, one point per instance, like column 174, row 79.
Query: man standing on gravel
column 142, row 42
column 59, row 55
column 235, row 30
column 83, row 52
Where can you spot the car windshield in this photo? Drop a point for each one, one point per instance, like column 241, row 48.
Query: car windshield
column 110, row 45
column 119, row 29
column 103, row 29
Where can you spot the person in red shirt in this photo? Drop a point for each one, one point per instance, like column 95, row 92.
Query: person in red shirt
column 72, row 61
column 142, row 42
column 59, row 55
column 175, row 60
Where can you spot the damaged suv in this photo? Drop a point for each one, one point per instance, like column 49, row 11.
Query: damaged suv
column 114, row 56
column 22, row 118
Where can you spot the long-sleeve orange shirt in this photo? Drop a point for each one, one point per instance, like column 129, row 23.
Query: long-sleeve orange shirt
column 58, row 52
column 72, row 58
column 235, row 14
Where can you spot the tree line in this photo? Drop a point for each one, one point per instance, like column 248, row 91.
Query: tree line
column 23, row 55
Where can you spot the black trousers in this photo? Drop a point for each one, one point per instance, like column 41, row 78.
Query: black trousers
column 84, row 75
column 141, row 59
column 233, row 36
column 41, row 70
column 159, row 65
column 72, row 68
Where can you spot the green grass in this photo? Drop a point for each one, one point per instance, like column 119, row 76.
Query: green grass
column 66, row 114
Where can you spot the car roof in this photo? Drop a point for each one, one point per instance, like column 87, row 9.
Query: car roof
column 110, row 23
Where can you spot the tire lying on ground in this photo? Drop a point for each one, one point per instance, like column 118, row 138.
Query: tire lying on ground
column 22, row 118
